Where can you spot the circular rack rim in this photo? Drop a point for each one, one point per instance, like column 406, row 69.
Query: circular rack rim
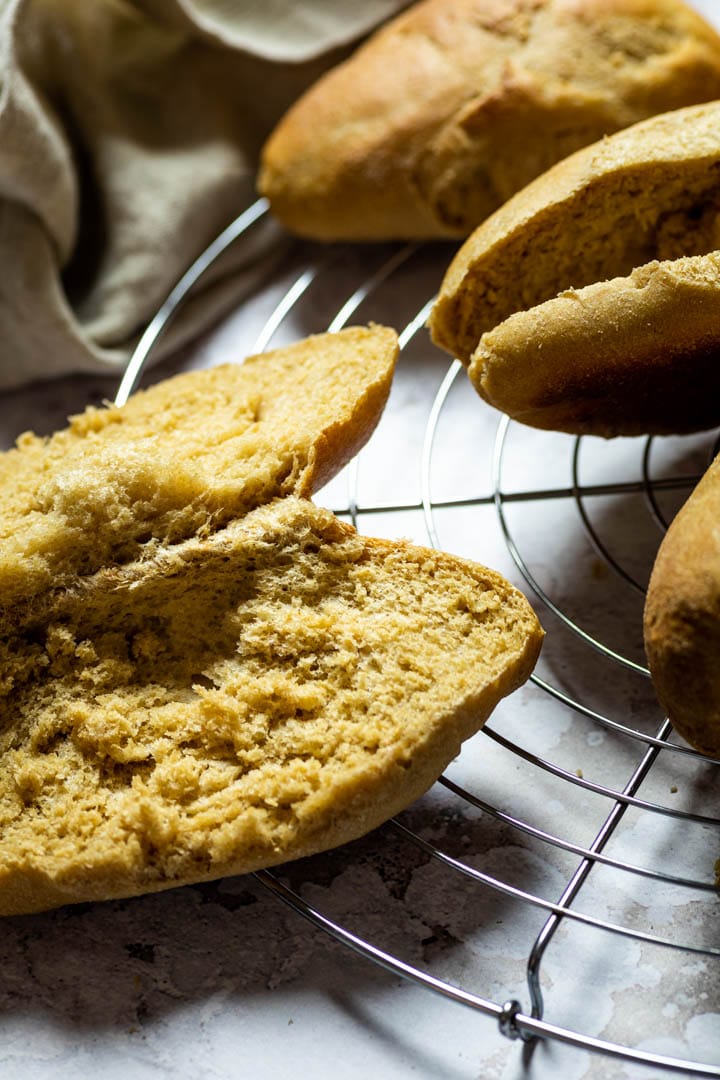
column 513, row 1022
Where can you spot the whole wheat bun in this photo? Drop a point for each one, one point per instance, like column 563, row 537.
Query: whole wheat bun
column 682, row 617
column 274, row 690
column 203, row 673
column 590, row 302
column 457, row 104
column 186, row 456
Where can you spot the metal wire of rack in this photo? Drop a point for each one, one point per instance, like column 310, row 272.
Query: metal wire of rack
column 590, row 636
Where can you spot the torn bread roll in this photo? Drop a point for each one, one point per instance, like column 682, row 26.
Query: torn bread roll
column 590, row 303
column 273, row 690
column 186, row 456
column 682, row 617
column 456, row 104
column 201, row 672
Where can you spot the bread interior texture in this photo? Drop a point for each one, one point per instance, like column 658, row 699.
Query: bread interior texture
column 279, row 687
column 186, row 456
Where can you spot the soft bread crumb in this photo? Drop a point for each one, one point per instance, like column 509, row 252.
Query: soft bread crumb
column 187, row 456
column 274, row 689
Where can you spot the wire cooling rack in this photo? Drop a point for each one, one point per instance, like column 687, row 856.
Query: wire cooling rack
column 574, row 835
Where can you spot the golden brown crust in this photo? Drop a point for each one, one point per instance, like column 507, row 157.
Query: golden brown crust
column 538, row 304
column 605, row 210
column 682, row 618
column 454, row 106
column 623, row 357
column 274, row 690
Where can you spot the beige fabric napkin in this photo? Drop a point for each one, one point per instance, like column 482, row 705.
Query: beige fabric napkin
column 129, row 134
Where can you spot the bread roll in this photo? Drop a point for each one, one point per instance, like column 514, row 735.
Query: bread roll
column 186, row 456
column 202, row 673
column 682, row 617
column 590, row 302
column 456, row 104
column 278, row 688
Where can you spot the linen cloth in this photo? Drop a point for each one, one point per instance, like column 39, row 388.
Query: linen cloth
column 129, row 138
